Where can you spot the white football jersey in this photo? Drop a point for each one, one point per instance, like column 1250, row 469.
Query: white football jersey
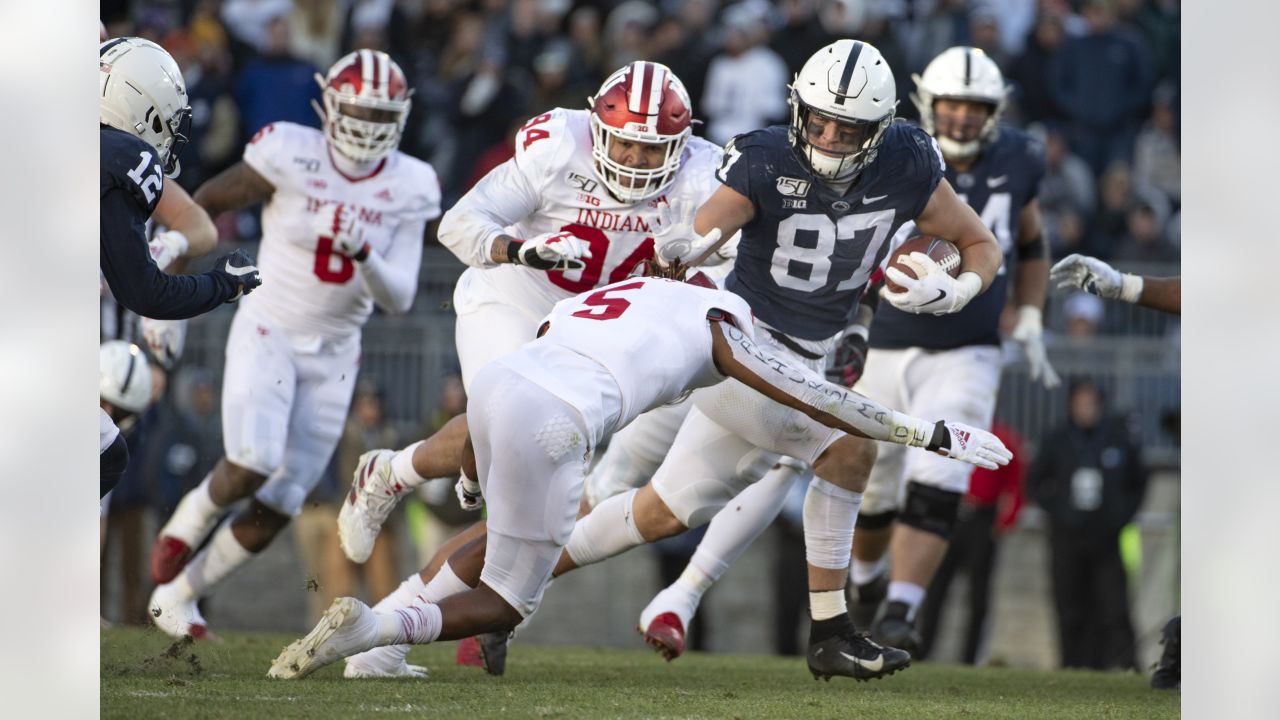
column 549, row 186
column 307, row 288
column 627, row 348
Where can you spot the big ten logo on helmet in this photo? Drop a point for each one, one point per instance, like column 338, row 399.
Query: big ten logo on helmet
column 585, row 186
column 366, row 215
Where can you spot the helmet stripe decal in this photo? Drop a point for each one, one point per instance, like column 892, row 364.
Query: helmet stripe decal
column 110, row 44
column 384, row 70
column 655, row 91
column 845, row 77
column 128, row 374
column 636, row 97
column 968, row 66
column 366, row 69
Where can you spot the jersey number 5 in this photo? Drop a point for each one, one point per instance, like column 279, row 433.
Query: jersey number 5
column 604, row 307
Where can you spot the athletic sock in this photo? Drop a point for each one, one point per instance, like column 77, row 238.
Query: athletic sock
column 193, row 516
column 864, row 571
column 606, row 531
column 402, row 467
column 218, row 560
column 415, row 625
column 908, row 593
column 827, row 604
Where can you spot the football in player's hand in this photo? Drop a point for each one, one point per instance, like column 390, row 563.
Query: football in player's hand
column 943, row 252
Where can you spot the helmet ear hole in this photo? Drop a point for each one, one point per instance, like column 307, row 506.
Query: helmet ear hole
column 157, row 126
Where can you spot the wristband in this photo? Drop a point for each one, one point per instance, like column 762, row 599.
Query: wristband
column 1130, row 287
column 859, row 330
column 513, row 252
column 941, row 439
column 363, row 254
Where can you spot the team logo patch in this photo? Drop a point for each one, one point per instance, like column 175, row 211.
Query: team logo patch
column 793, row 187
column 307, row 164
column 585, row 184
column 840, row 206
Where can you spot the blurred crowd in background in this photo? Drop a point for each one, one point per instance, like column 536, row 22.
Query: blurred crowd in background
column 1097, row 80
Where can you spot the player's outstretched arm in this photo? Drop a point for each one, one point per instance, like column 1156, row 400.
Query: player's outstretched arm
column 1162, row 294
column 190, row 232
column 239, row 186
column 737, row 356
column 1095, row 276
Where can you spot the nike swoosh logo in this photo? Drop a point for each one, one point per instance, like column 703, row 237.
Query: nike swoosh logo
column 941, row 294
column 996, row 181
column 876, row 666
column 869, row 200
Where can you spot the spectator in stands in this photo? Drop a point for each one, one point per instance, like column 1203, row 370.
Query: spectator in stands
column 746, row 82
column 1030, row 70
column 1089, row 478
column 984, row 33
column 1102, row 83
column 1157, row 158
column 317, row 26
column 275, row 85
column 1084, row 314
column 1146, row 241
column 988, row 512
column 626, row 33
column 1110, row 224
column 799, row 34
column 1067, row 189
column 588, row 47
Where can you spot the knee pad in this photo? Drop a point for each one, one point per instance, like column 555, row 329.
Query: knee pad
column 930, row 509
column 876, row 521
column 111, row 465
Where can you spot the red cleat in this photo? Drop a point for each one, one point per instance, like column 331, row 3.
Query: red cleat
column 168, row 556
column 469, row 653
column 666, row 635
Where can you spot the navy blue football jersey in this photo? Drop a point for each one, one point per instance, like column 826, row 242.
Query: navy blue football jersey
column 131, row 181
column 1004, row 179
column 805, row 257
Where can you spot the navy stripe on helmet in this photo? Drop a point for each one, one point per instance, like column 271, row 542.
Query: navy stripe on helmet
column 849, row 64
column 110, row 44
column 128, row 374
column 968, row 65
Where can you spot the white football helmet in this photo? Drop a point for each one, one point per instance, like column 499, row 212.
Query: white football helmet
column 849, row 82
column 366, row 105
column 124, row 379
column 141, row 92
column 960, row 73
column 642, row 102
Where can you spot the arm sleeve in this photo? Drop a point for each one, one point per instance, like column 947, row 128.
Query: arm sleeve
column 133, row 277
column 393, row 280
column 501, row 198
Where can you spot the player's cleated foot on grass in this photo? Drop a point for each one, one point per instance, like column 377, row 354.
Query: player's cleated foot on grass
column 665, row 634
column 468, row 654
column 837, row 648
column 374, row 493
column 1168, row 674
column 895, row 630
column 346, row 628
column 487, row 650
column 175, row 613
column 403, row 670
column 868, row 598
column 169, row 556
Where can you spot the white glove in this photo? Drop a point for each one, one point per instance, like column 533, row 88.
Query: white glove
column 1092, row 275
column 1029, row 333
column 341, row 225
column 166, row 339
column 677, row 240
column 932, row 290
column 974, row 446
column 167, row 246
column 553, row 251
column 469, row 496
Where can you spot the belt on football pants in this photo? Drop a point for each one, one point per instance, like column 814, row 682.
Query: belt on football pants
column 793, row 346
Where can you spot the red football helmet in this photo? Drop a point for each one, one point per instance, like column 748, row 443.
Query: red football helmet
column 642, row 102
column 366, row 105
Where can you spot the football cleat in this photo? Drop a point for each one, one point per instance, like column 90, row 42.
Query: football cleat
column 175, row 613
column 867, row 603
column 373, row 495
column 665, row 634
column 896, row 630
column 346, row 628
column 469, row 653
column 168, row 556
column 486, row 650
column 837, row 648
column 1168, row 674
column 357, row 670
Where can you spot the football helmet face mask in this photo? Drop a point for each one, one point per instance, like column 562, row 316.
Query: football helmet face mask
column 963, row 74
column 366, row 105
column 124, row 378
column 643, row 102
column 141, row 92
column 846, row 93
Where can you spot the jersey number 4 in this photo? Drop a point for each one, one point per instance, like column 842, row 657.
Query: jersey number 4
column 818, row 251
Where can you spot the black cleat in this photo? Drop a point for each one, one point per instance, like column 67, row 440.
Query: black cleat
column 837, row 648
column 868, row 599
column 1168, row 674
column 896, row 630
column 493, row 648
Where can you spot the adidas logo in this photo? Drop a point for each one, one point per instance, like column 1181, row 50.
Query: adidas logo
column 384, row 194
column 963, row 437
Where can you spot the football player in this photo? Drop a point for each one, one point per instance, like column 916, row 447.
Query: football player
column 343, row 229
column 580, row 206
column 124, row 392
column 602, row 359
column 1092, row 275
column 142, row 112
column 949, row 365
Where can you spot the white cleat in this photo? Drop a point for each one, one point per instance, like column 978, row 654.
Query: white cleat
column 374, row 493
column 176, row 614
column 403, row 670
column 347, row 627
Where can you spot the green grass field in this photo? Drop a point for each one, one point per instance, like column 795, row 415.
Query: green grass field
column 147, row 675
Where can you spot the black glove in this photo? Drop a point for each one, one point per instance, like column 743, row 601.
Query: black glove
column 848, row 360
column 238, row 268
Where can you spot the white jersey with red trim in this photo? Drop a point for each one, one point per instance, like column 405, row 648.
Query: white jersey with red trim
column 629, row 347
column 308, row 289
column 549, row 186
